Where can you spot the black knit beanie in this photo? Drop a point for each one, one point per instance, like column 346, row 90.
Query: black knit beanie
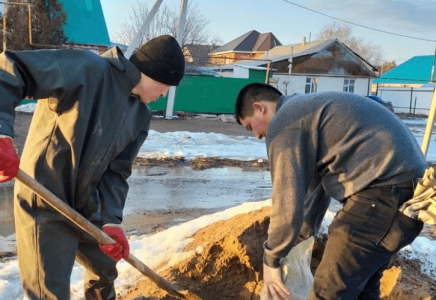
column 161, row 59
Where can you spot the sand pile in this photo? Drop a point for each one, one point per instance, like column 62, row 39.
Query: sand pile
column 228, row 265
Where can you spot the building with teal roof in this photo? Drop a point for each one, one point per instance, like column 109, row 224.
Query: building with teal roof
column 415, row 71
column 409, row 86
column 85, row 25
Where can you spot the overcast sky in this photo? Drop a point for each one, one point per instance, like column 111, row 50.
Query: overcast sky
column 289, row 21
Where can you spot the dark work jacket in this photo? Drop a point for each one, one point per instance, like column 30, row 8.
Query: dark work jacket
column 86, row 130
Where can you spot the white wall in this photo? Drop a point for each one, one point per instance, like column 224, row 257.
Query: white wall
column 407, row 99
column 289, row 85
column 404, row 99
column 241, row 72
column 292, row 83
column 226, row 73
column 363, row 86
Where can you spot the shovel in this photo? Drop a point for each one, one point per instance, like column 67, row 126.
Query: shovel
column 99, row 235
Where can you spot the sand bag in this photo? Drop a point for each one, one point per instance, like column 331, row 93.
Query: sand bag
column 296, row 272
column 423, row 204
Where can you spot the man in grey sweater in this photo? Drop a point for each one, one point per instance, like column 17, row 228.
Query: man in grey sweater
column 349, row 148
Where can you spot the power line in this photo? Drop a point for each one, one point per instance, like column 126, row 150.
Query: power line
column 363, row 26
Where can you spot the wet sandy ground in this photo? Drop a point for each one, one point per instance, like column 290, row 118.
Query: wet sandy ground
column 164, row 193
column 186, row 203
column 165, row 197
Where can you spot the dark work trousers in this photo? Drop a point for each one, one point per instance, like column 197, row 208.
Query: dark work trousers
column 363, row 237
column 47, row 246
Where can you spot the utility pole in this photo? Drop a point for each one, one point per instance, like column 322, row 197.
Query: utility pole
column 431, row 115
column 135, row 44
column 144, row 28
column 180, row 29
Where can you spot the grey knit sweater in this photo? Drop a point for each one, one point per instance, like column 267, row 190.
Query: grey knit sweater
column 335, row 142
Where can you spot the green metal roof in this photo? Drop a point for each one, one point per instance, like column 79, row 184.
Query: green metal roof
column 85, row 22
column 414, row 71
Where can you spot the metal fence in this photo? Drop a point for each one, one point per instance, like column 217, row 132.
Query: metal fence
column 208, row 94
column 410, row 100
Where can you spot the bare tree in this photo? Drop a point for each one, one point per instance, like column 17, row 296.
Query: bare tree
column 371, row 53
column 387, row 66
column 165, row 22
column 47, row 19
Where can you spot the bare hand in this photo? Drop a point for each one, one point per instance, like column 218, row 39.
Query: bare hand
column 274, row 287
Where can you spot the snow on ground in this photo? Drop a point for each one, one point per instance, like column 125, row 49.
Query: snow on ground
column 200, row 144
column 167, row 245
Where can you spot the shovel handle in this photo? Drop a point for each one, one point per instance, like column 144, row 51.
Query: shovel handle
column 93, row 230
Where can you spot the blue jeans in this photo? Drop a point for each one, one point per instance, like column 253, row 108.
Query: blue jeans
column 363, row 237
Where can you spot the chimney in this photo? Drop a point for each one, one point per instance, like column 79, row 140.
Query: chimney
column 303, row 42
column 291, row 60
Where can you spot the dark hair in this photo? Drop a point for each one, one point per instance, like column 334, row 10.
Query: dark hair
column 254, row 92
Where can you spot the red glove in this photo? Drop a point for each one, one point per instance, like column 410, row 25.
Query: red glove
column 9, row 161
column 121, row 248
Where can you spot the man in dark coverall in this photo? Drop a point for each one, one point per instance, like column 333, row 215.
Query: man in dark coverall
column 88, row 126
column 352, row 149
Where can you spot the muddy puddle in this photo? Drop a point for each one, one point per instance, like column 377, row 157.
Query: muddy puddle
column 173, row 189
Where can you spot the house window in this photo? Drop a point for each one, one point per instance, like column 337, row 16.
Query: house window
column 349, row 85
column 311, row 85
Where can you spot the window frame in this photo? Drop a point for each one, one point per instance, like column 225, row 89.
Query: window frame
column 349, row 85
column 311, row 85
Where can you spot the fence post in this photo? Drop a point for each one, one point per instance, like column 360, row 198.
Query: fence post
column 430, row 123
column 414, row 107
column 411, row 99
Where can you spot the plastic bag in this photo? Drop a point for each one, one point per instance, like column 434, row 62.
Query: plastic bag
column 296, row 272
column 423, row 204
